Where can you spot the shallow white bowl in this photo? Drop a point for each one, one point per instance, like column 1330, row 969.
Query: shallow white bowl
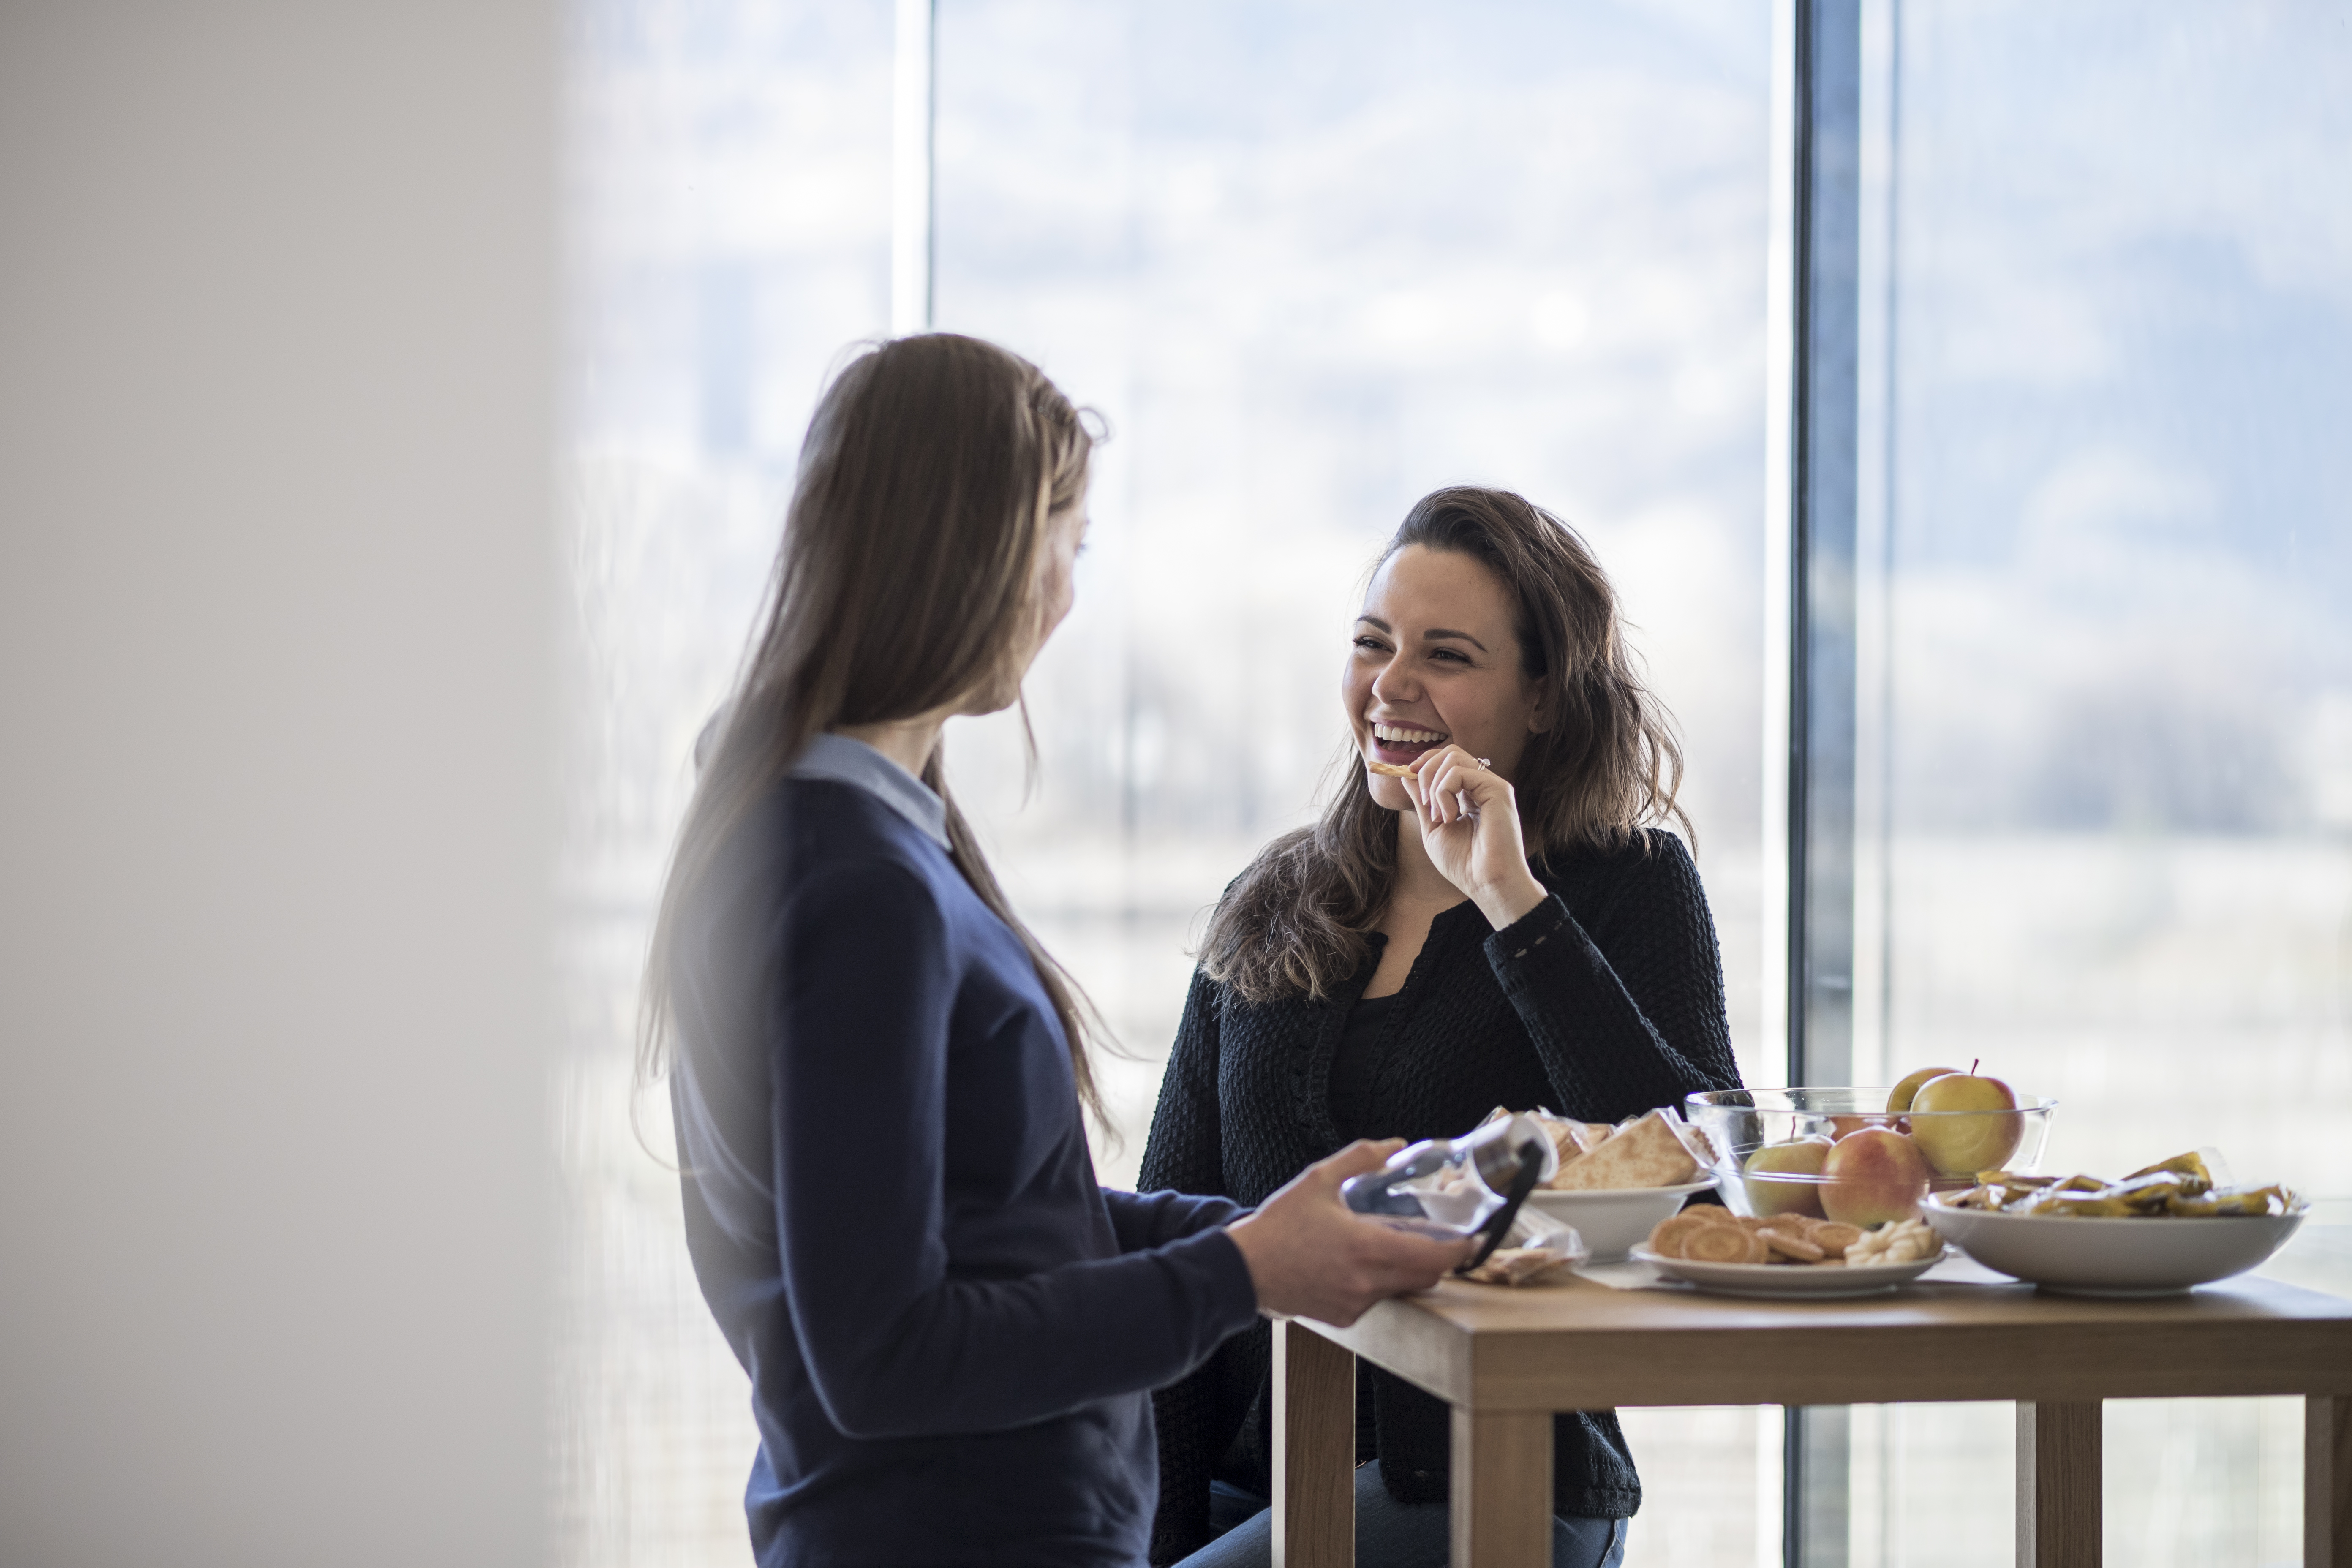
column 2112, row 1256
column 1614, row 1221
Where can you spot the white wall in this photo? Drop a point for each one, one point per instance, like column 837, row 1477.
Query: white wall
column 275, row 691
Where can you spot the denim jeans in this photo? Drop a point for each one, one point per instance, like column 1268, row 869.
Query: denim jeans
column 1388, row 1534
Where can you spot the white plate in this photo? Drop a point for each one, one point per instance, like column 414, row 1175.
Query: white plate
column 1788, row 1281
column 2147, row 1257
column 1613, row 1219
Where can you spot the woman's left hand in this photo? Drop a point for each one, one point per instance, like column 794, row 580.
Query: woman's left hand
column 1469, row 820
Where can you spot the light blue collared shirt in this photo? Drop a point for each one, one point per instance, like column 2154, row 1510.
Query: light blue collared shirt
column 844, row 761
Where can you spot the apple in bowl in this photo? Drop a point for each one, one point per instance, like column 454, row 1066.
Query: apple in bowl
column 1899, row 1098
column 1871, row 1176
column 1845, row 1126
column 1798, row 1157
column 1963, row 1122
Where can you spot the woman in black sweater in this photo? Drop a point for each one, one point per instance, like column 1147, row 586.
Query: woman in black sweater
column 1501, row 923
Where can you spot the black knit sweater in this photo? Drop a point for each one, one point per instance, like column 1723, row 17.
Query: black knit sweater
column 1604, row 1001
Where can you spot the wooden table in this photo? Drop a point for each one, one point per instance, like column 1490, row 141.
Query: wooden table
column 1507, row 1360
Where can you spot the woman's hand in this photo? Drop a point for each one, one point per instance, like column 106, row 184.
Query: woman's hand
column 1469, row 821
column 1310, row 1256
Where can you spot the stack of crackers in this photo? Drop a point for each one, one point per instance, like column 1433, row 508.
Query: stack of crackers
column 1709, row 1233
column 1656, row 1150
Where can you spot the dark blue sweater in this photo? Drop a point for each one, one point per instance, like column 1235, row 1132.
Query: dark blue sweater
column 951, row 1330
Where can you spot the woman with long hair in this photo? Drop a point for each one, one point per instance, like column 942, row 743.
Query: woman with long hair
column 1498, row 917
column 877, row 1074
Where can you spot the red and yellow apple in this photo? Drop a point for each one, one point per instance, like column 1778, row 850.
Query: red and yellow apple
column 1872, row 1176
column 1846, row 1125
column 1798, row 1157
column 1900, row 1099
column 1981, row 1137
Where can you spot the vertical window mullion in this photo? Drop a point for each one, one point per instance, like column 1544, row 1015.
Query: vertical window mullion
column 1817, row 753
column 1823, row 433
column 914, row 116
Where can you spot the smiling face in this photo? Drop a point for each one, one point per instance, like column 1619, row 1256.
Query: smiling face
column 1437, row 660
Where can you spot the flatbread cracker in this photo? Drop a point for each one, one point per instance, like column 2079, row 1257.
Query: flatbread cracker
column 1391, row 769
column 1696, row 1142
column 1569, row 1138
column 1587, row 1136
column 1645, row 1153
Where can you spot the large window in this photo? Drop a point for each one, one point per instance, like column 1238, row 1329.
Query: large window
column 1313, row 262
column 731, row 221
column 1312, row 259
column 2107, row 657
column 2113, row 543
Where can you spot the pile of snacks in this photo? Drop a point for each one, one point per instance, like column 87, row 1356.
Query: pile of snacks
column 1655, row 1149
column 1709, row 1233
column 2180, row 1188
column 1540, row 1250
column 1518, row 1266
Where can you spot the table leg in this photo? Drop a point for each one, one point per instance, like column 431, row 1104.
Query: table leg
column 2327, row 1483
column 1314, row 1450
column 1502, row 1489
column 2058, row 1478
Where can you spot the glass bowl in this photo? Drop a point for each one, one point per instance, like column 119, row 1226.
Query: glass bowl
column 1882, row 1179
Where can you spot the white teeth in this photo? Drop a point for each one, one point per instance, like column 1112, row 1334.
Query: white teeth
column 1403, row 736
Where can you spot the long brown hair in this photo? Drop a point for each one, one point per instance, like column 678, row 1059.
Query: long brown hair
column 1297, row 920
column 905, row 583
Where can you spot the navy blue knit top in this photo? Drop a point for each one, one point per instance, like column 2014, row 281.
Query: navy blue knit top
column 951, row 1330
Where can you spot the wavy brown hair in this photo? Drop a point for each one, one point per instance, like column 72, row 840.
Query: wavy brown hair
column 1296, row 921
column 906, row 584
